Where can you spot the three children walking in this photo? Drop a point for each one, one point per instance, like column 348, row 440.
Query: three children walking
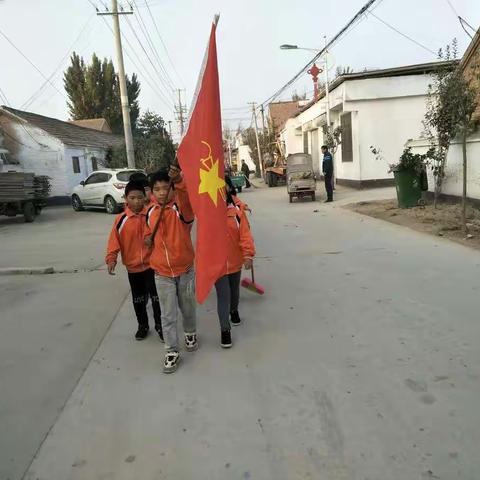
column 157, row 251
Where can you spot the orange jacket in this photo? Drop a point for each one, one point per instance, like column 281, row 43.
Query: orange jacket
column 128, row 238
column 240, row 240
column 172, row 254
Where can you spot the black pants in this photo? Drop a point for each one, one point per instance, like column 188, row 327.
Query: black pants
column 143, row 286
column 329, row 185
column 228, row 297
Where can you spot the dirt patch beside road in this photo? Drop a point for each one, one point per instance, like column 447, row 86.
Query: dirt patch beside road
column 444, row 221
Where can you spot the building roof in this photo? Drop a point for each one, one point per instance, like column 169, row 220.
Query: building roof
column 68, row 133
column 99, row 124
column 280, row 112
column 418, row 69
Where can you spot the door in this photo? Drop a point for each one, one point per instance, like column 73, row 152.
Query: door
column 90, row 191
column 99, row 188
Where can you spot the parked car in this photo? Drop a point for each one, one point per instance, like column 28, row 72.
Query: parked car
column 103, row 189
column 301, row 181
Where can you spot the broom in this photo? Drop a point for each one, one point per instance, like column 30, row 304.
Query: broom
column 251, row 285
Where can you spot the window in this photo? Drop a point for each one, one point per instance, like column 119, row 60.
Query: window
column 125, row 176
column 97, row 178
column 305, row 142
column 347, row 142
column 94, row 163
column 76, row 165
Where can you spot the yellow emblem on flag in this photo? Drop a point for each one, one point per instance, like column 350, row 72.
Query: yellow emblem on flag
column 210, row 182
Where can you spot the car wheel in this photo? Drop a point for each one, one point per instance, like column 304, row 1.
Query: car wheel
column 29, row 212
column 290, row 197
column 111, row 205
column 77, row 203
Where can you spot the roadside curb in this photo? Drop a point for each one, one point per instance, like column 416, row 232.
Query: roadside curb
column 26, row 270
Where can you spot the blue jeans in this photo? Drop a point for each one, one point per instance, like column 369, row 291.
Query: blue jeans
column 177, row 293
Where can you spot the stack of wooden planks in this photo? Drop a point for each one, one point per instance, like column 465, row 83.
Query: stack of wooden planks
column 19, row 186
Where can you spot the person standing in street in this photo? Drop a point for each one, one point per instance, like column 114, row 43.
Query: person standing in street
column 327, row 167
column 246, row 172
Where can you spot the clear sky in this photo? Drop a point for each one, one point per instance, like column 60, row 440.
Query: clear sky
column 252, row 66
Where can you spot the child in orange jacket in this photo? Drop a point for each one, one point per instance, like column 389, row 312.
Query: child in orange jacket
column 172, row 258
column 128, row 238
column 241, row 250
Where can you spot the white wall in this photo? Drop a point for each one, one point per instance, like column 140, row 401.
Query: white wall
column 452, row 184
column 244, row 154
column 386, row 124
column 85, row 159
column 37, row 152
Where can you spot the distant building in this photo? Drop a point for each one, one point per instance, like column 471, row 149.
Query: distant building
column 280, row 112
column 99, row 124
column 381, row 108
column 66, row 152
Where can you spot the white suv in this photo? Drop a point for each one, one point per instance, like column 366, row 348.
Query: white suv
column 104, row 189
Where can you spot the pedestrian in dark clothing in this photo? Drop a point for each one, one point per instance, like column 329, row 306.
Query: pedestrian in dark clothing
column 246, row 172
column 327, row 167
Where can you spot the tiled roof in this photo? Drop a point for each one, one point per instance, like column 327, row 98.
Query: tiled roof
column 68, row 133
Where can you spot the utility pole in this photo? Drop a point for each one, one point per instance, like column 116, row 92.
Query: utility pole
column 263, row 118
column 327, row 93
column 181, row 111
column 170, row 128
column 127, row 127
column 260, row 159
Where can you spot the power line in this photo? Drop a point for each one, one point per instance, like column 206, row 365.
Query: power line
column 163, row 43
column 463, row 22
column 147, row 55
column 357, row 18
column 30, row 62
column 152, row 46
column 402, row 34
column 4, row 97
column 144, row 71
column 32, row 98
column 453, row 8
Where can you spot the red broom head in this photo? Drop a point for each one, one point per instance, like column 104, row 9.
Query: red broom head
column 252, row 286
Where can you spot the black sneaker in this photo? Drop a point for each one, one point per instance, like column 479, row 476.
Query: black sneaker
column 328, row 200
column 235, row 318
column 226, row 341
column 160, row 334
column 172, row 359
column 142, row 333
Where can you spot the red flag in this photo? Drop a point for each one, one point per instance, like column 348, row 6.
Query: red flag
column 200, row 155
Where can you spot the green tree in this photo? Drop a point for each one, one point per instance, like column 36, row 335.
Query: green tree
column 153, row 146
column 450, row 108
column 93, row 92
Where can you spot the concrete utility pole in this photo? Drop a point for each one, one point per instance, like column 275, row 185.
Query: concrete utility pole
column 127, row 127
column 263, row 117
column 170, row 128
column 327, row 93
column 260, row 159
column 180, row 113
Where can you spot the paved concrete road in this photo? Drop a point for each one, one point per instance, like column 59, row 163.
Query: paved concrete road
column 361, row 362
column 50, row 325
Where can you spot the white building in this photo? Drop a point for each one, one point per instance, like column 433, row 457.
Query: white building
column 67, row 153
column 240, row 152
column 380, row 108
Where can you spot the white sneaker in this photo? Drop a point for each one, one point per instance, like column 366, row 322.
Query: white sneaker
column 172, row 359
column 191, row 343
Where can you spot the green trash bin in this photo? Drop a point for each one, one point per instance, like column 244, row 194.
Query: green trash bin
column 409, row 188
